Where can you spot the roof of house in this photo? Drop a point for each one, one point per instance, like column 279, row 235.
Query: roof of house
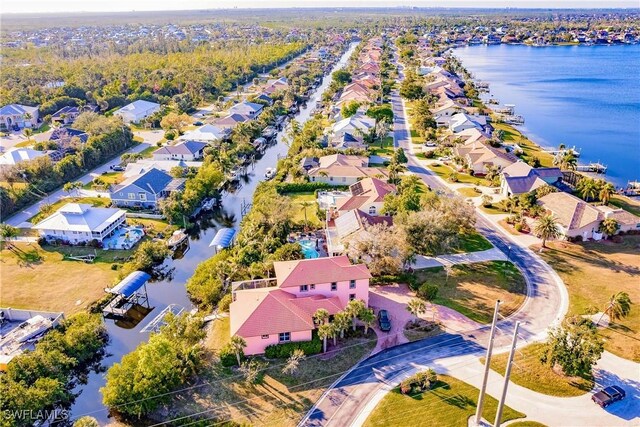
column 284, row 311
column 357, row 121
column 231, row 120
column 318, row 270
column 462, row 118
column 16, row 155
column 183, row 147
column 570, row 211
column 13, row 109
column 623, row 217
column 364, row 192
column 354, row 220
column 206, row 133
column 80, row 217
column 139, row 106
column 63, row 133
column 65, row 110
column 522, row 178
column 153, row 180
column 246, row 107
column 343, row 160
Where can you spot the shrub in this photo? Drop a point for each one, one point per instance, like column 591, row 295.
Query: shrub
column 386, row 279
column 42, row 241
column 518, row 227
column 228, row 356
column 428, row 292
column 225, row 302
column 285, row 350
column 170, row 135
column 419, row 382
column 617, row 239
column 114, row 267
column 299, row 187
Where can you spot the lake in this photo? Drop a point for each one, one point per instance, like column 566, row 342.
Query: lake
column 587, row 96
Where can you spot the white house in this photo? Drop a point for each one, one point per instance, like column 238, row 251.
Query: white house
column 137, row 111
column 22, row 116
column 207, row 133
column 76, row 222
column 245, row 108
column 462, row 121
column 358, row 124
column 183, row 150
column 13, row 157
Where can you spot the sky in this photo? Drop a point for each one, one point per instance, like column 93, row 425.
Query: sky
column 39, row 6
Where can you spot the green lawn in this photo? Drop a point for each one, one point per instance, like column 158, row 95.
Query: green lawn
column 512, row 135
column 148, row 152
column 469, row 192
column 630, row 205
column 26, row 143
column 450, row 403
column 527, row 424
column 383, row 148
column 491, row 210
column 529, row 372
column 94, row 201
column 592, row 272
column 109, row 178
column 444, row 171
column 472, row 289
column 473, row 242
column 298, row 199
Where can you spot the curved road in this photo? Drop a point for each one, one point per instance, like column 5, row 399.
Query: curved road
column 546, row 304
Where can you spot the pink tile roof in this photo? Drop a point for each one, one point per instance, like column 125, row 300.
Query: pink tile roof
column 319, row 270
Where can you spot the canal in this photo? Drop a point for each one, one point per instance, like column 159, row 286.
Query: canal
column 171, row 290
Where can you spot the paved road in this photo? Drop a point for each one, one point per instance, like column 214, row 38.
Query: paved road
column 19, row 218
column 545, row 305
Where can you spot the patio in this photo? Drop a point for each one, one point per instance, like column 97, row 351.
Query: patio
column 123, row 238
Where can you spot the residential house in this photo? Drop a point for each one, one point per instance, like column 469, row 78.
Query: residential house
column 275, row 85
column 349, row 225
column 145, row 190
column 519, row 178
column 245, row 108
column 463, row 121
column 264, row 98
column 14, row 116
column 443, row 112
column 626, row 220
column 144, row 165
column 367, row 195
column 273, row 311
column 575, row 217
column 78, row 222
column 17, row 155
column 183, row 150
column 357, row 125
column 231, row 121
column 137, row 111
column 207, row 133
column 340, row 169
column 478, row 157
column 64, row 138
column 65, row 115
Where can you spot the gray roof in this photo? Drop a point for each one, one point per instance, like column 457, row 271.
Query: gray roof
column 154, row 181
column 184, row 147
column 13, row 109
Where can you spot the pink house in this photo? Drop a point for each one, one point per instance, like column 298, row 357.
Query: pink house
column 279, row 310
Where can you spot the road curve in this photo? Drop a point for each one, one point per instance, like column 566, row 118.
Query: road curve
column 545, row 305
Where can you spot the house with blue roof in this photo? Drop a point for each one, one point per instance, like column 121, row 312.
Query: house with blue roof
column 183, row 150
column 145, row 190
column 16, row 116
column 245, row 108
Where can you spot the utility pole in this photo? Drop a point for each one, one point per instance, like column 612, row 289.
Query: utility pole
column 506, row 376
column 487, row 364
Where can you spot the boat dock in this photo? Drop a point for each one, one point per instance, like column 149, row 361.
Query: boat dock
column 595, row 167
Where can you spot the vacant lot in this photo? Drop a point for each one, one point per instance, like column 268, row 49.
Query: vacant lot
column 40, row 279
column 450, row 403
column 594, row 271
column 529, row 372
column 473, row 289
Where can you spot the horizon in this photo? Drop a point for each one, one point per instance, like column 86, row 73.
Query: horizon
column 123, row 6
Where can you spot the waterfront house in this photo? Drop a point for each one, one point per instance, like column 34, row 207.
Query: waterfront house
column 231, row 121
column 137, row 111
column 367, row 195
column 463, row 121
column 519, row 178
column 77, row 222
column 145, row 190
column 358, row 125
column 275, row 85
column 245, row 108
column 479, row 157
column 575, row 217
column 19, row 116
column 183, row 150
column 341, row 169
column 280, row 310
column 207, row 133
column 349, row 225
column 626, row 220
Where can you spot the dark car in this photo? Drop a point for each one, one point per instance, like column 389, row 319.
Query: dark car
column 198, row 123
column 607, row 396
column 383, row 321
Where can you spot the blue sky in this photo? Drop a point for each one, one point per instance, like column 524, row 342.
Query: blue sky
column 127, row 5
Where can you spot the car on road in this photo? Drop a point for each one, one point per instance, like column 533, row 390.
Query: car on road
column 430, row 144
column 608, row 395
column 117, row 168
column 383, row 321
column 198, row 123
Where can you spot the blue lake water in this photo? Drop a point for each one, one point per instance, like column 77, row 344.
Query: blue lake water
column 587, row 96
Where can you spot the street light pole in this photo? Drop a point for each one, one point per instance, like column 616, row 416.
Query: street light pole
column 487, row 364
column 507, row 375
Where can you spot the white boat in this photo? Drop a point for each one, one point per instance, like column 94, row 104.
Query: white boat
column 177, row 238
column 270, row 173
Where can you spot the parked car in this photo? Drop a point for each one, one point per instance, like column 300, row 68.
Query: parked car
column 608, row 395
column 430, row 144
column 198, row 123
column 117, row 168
column 383, row 321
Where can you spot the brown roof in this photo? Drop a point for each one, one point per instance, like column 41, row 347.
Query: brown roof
column 570, row 211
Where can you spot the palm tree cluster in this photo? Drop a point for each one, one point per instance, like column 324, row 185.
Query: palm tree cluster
column 355, row 310
column 591, row 189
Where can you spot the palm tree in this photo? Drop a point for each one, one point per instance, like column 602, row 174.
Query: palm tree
column 367, row 317
column 606, row 191
column 547, row 228
column 609, row 226
column 8, row 232
column 305, row 205
column 238, row 344
column 325, row 331
column 619, row 306
column 566, row 160
column 587, row 188
column 394, row 170
column 341, row 322
column 320, row 318
column 353, row 310
column 416, row 307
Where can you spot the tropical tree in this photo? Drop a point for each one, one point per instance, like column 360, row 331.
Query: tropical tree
column 293, row 362
column 416, row 306
column 325, row 331
column 618, row 306
column 341, row 321
column 394, row 169
column 367, row 317
column 588, row 188
column 566, row 160
column 238, row 345
column 320, row 316
column 609, row 226
column 353, row 310
column 547, row 228
column 8, row 232
column 305, row 205
column 606, row 191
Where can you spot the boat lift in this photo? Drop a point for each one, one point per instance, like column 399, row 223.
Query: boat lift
column 131, row 291
column 223, row 239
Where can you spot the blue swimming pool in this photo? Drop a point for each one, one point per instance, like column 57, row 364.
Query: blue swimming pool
column 309, row 248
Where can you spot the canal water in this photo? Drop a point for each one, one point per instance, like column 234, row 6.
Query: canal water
column 172, row 289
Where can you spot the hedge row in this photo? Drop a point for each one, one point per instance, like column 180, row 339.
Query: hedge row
column 299, row 187
column 282, row 351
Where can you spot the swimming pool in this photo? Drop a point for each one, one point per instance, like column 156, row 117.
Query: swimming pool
column 309, row 248
column 123, row 238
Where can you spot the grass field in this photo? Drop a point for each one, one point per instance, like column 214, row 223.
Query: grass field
column 626, row 203
column 491, row 210
column 148, row 152
column 278, row 399
column 527, row 424
column 109, row 178
column 469, row 192
column 383, row 148
column 40, row 279
column 94, row 201
column 529, row 372
column 472, row 289
column 298, row 199
column 25, row 143
column 594, row 271
column 444, row 172
column 450, row 403
column 512, row 135
column 473, row 242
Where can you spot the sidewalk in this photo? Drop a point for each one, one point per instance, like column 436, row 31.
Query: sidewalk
column 493, row 254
